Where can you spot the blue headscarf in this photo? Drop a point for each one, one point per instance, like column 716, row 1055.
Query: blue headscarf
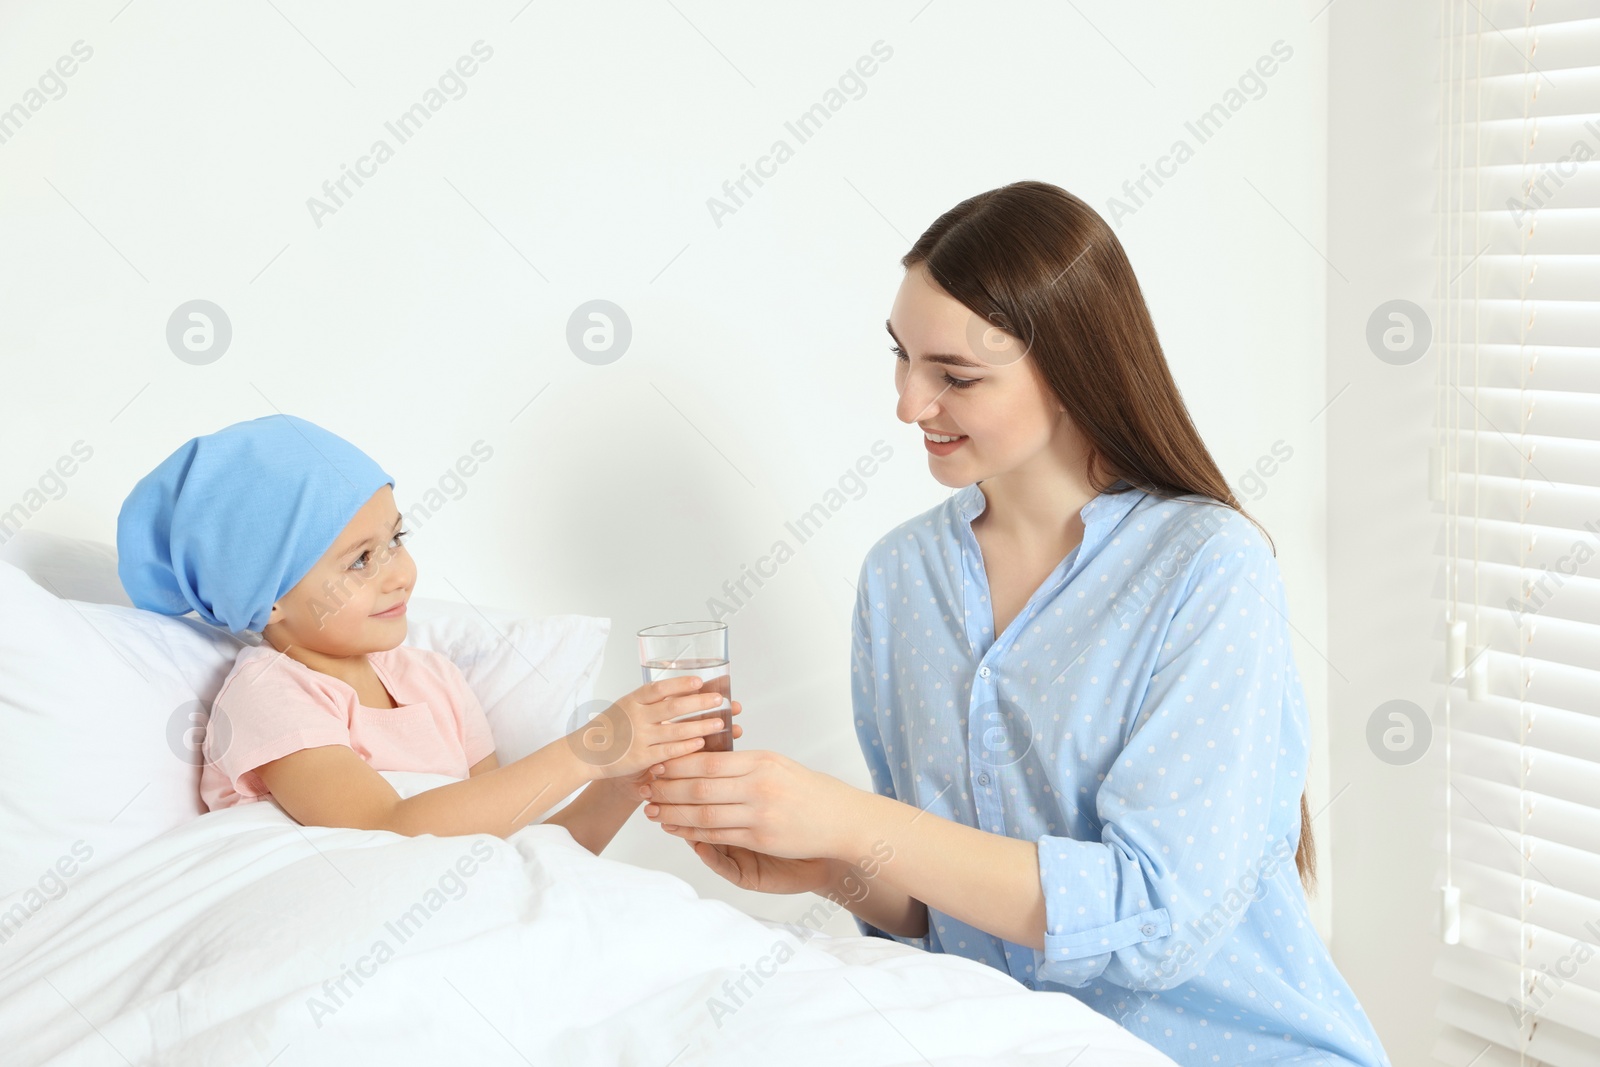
column 232, row 520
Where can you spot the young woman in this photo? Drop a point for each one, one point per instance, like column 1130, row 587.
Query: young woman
column 1073, row 682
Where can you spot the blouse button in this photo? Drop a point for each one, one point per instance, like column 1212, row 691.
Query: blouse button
column 983, row 779
column 1148, row 929
column 983, row 672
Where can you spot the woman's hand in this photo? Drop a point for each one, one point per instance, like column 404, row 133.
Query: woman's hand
column 632, row 784
column 759, row 801
column 763, row 873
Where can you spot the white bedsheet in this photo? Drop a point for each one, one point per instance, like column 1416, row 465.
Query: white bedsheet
column 224, row 942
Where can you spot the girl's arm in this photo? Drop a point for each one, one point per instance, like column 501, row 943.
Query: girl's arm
column 597, row 813
column 595, row 816
column 332, row 786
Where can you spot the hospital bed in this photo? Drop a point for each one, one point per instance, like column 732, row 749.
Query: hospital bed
column 137, row 928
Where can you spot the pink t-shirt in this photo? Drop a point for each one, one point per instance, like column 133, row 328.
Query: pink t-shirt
column 271, row 705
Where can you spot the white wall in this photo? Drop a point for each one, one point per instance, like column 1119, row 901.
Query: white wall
column 1383, row 628
column 428, row 311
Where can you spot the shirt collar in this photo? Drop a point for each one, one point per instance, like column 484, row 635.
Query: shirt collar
column 1100, row 514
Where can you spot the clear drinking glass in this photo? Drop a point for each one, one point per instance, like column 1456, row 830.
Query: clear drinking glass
column 681, row 649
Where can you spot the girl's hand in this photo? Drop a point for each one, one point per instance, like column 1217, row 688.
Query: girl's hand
column 632, row 784
column 760, row 801
column 764, row 873
column 633, row 736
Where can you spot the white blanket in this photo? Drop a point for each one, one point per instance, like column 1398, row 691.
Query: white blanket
column 244, row 938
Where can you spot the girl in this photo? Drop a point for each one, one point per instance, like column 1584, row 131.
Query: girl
column 279, row 527
column 1073, row 684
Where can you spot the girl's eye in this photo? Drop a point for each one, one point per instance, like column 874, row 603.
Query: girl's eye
column 955, row 383
column 362, row 559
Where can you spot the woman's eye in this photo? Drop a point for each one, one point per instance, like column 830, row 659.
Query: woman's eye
column 955, row 383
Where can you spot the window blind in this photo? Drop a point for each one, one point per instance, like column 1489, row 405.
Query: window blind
column 1515, row 472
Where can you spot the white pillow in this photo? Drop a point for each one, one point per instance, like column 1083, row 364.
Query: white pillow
column 70, row 568
column 102, row 706
column 87, row 693
column 530, row 675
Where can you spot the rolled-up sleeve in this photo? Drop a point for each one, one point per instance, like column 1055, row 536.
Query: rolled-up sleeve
column 869, row 684
column 1197, row 809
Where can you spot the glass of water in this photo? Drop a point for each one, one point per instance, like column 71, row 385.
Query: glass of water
column 682, row 649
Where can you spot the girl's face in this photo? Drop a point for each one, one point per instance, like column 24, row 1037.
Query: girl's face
column 959, row 376
column 335, row 608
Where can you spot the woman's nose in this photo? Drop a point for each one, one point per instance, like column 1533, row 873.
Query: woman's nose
column 918, row 401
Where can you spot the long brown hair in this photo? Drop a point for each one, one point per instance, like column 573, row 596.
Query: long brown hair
column 1037, row 262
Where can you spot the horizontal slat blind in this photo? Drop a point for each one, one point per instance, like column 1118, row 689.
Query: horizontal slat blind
column 1515, row 475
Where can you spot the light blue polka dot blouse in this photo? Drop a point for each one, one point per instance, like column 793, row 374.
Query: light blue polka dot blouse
column 1142, row 720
